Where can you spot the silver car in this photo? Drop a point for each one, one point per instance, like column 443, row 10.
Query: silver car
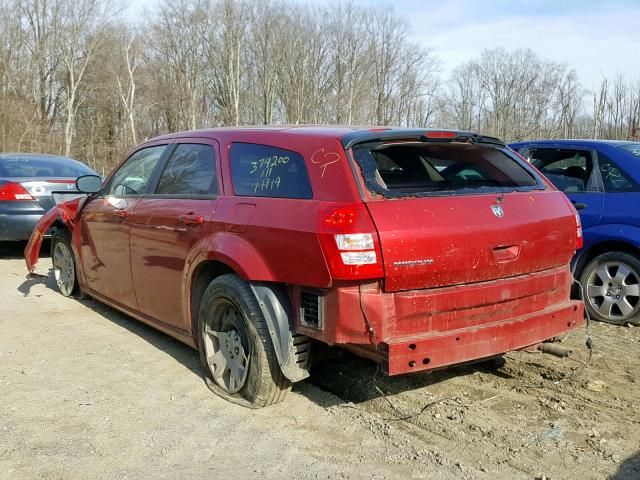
column 31, row 184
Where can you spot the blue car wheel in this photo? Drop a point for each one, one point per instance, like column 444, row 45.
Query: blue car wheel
column 611, row 285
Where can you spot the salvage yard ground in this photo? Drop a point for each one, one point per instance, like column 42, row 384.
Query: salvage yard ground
column 86, row 392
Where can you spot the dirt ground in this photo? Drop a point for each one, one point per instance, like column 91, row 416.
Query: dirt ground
column 86, row 392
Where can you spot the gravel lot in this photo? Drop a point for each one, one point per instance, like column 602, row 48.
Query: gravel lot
column 86, row 392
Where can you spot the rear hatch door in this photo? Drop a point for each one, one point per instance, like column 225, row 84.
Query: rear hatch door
column 450, row 214
column 432, row 242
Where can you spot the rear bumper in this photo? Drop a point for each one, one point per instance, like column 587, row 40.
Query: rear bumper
column 427, row 351
column 415, row 330
column 16, row 227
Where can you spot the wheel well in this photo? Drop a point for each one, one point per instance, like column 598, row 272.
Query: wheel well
column 59, row 225
column 600, row 248
column 203, row 276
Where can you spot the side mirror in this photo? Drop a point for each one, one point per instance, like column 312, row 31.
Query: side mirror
column 89, row 184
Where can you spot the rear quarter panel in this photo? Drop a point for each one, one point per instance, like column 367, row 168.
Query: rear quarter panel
column 281, row 233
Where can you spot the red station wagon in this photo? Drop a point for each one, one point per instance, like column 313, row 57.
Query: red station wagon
column 417, row 249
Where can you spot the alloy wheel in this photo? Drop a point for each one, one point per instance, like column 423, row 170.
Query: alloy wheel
column 64, row 268
column 613, row 289
column 227, row 348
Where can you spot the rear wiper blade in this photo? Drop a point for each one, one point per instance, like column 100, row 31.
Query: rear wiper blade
column 469, row 137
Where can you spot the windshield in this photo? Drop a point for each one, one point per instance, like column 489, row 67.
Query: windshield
column 418, row 168
column 42, row 167
column 632, row 148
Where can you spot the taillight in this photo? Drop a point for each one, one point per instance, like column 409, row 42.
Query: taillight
column 579, row 238
column 14, row 192
column 350, row 243
column 579, row 241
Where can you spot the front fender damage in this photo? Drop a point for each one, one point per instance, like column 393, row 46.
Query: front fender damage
column 66, row 213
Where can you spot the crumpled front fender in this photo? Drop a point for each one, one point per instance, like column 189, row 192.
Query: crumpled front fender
column 65, row 212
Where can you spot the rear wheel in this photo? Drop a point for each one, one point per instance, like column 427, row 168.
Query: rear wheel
column 235, row 346
column 64, row 267
column 611, row 286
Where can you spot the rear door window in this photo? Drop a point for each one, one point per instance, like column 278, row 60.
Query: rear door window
column 632, row 148
column 570, row 170
column 264, row 171
column 418, row 168
column 133, row 177
column 614, row 178
column 191, row 170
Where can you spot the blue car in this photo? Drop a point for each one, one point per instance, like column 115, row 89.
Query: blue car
column 602, row 180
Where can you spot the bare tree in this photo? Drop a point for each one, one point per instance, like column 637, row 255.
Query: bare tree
column 225, row 42
column 74, row 81
column 179, row 57
column 387, row 35
column 599, row 107
column 81, row 27
column 127, row 85
column 43, row 34
column 466, row 98
column 350, row 62
column 265, row 25
column 569, row 99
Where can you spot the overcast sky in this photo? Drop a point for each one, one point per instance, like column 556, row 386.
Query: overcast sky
column 596, row 37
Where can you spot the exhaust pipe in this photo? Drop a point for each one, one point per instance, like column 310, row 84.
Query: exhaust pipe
column 554, row 349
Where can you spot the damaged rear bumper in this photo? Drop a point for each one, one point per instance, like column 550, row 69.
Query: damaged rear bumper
column 410, row 331
column 431, row 351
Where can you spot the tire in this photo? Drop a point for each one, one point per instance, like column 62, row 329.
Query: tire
column 611, row 286
column 64, row 263
column 232, row 333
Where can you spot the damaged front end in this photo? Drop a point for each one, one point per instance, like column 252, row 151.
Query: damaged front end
column 63, row 214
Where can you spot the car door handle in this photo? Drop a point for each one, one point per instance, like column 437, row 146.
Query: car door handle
column 579, row 205
column 122, row 213
column 505, row 253
column 191, row 219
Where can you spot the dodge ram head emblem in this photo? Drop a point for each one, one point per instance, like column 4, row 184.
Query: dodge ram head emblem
column 497, row 211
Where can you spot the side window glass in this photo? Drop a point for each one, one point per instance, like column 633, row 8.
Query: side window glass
column 569, row 170
column 262, row 171
column 191, row 170
column 133, row 176
column 614, row 178
column 632, row 148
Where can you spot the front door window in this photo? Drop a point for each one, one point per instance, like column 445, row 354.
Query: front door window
column 134, row 175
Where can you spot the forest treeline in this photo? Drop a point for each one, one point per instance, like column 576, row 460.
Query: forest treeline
column 78, row 77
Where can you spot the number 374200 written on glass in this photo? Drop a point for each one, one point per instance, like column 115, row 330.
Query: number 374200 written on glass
column 263, row 169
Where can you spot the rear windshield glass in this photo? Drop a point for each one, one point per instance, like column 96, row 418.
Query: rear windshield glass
column 29, row 167
column 633, row 149
column 410, row 169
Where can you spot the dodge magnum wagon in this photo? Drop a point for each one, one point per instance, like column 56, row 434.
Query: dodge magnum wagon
column 417, row 249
